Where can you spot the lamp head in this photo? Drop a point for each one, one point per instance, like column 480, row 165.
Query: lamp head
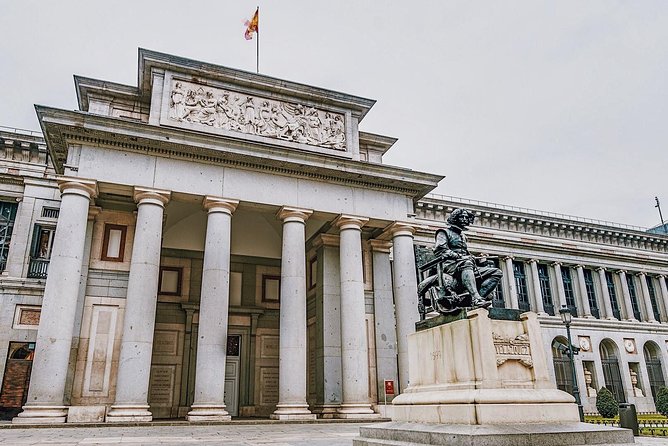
column 565, row 314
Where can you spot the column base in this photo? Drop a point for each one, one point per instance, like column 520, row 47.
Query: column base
column 129, row 413
column 292, row 412
column 41, row 415
column 361, row 411
column 203, row 412
column 326, row 411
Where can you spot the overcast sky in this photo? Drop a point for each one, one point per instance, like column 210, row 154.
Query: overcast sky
column 554, row 105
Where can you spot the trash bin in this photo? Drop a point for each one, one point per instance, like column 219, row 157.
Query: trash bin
column 628, row 418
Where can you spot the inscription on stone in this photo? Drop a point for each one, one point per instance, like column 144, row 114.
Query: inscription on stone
column 268, row 386
column 435, row 355
column 162, row 385
column 165, row 342
column 513, row 348
column 242, row 113
column 269, row 347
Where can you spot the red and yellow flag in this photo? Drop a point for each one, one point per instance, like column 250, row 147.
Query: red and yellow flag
column 252, row 25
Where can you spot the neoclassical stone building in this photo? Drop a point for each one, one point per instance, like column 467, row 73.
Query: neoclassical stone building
column 214, row 243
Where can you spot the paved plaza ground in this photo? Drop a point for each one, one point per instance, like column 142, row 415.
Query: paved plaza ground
column 316, row 434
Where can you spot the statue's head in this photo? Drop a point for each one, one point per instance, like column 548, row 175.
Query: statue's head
column 461, row 218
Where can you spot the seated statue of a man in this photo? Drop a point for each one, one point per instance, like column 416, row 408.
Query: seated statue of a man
column 475, row 275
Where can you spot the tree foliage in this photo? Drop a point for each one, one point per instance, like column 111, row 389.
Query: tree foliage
column 662, row 401
column 606, row 404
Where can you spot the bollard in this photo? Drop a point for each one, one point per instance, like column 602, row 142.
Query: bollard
column 628, row 417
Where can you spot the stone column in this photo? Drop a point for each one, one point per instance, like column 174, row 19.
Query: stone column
column 384, row 316
column 664, row 291
column 405, row 286
column 561, row 294
column 646, row 299
column 510, row 280
column 535, row 281
column 605, row 294
column 292, row 403
column 209, row 401
column 45, row 403
column 134, row 365
column 354, row 346
column 626, row 295
column 584, row 297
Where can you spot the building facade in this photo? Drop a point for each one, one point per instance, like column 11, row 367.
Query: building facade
column 216, row 243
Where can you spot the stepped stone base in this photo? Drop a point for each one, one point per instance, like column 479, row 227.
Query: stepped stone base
column 414, row 434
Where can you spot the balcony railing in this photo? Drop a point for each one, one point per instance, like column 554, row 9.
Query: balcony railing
column 37, row 269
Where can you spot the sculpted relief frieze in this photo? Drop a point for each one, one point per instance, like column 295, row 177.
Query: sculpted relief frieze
column 233, row 111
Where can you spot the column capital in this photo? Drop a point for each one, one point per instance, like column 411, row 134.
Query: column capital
column 79, row 186
column 621, row 271
column 555, row 264
column 93, row 212
column 641, row 274
column 326, row 240
column 217, row 204
column 532, row 261
column 578, row 266
column 399, row 228
column 661, row 276
column 350, row 222
column 601, row 269
column 287, row 214
column 506, row 258
column 380, row 245
column 146, row 195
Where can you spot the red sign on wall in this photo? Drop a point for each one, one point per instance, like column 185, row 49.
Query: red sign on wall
column 389, row 387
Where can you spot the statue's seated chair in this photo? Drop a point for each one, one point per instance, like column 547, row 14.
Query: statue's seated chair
column 437, row 291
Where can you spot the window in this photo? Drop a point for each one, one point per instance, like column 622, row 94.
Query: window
column 568, row 290
column 613, row 295
column 271, row 288
column 634, row 296
column 113, row 243
column 7, row 217
column 498, row 301
column 40, row 251
column 611, row 373
column 521, row 285
column 170, row 281
column 545, row 290
column 563, row 369
column 591, row 293
column 312, row 272
column 652, row 298
column 654, row 370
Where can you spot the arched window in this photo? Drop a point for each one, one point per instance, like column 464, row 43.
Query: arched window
column 610, row 364
column 563, row 371
column 653, row 362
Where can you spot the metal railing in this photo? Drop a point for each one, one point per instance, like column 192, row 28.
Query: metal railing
column 24, row 132
column 534, row 212
column 38, row 268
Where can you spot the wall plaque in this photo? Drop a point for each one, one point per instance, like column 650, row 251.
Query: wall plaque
column 513, row 348
column 161, row 390
column 268, row 386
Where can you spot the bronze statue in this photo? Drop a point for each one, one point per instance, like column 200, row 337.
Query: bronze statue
column 455, row 279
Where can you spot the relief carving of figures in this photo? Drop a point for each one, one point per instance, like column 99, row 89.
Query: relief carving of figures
column 225, row 110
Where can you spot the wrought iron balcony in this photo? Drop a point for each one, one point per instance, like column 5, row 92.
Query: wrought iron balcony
column 38, row 268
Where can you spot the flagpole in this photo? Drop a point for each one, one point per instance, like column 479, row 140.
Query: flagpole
column 257, row 47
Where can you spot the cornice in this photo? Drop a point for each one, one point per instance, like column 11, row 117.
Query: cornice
column 153, row 60
column 61, row 127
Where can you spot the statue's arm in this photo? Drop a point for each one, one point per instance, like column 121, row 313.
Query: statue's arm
column 442, row 247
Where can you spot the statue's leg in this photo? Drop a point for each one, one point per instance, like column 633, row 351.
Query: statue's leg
column 490, row 279
column 468, row 280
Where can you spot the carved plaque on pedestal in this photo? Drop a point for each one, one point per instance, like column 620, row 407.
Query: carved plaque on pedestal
column 513, row 348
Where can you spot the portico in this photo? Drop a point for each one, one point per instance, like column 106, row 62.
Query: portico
column 230, row 265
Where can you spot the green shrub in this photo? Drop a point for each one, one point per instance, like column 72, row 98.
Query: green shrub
column 662, row 401
column 606, row 404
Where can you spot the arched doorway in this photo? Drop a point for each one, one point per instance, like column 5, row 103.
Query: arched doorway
column 563, row 370
column 611, row 374
column 653, row 363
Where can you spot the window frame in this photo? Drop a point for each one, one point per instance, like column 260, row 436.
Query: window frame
column 108, row 227
column 179, row 282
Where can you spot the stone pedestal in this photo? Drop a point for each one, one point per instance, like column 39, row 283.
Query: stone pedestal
column 484, row 380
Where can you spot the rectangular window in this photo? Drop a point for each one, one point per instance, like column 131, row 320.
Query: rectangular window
column 271, row 288
column 170, row 281
column 610, row 283
column 7, row 218
column 634, row 296
column 568, row 290
column 652, row 298
column 591, row 293
column 113, row 243
column 521, row 285
column 312, row 272
column 545, row 290
column 498, row 301
column 40, row 251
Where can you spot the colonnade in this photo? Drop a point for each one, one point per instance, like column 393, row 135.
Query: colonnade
column 622, row 299
column 48, row 380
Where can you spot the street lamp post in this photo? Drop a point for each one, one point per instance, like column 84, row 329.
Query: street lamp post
column 566, row 318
